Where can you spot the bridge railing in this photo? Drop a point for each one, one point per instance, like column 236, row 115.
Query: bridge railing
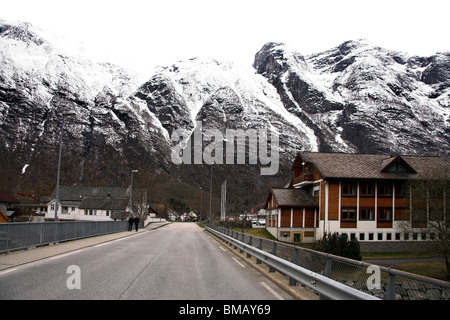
column 21, row 235
column 376, row 281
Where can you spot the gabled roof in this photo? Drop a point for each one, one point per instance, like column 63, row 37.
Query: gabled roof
column 77, row 193
column 372, row 166
column 104, row 203
column 6, row 197
column 291, row 198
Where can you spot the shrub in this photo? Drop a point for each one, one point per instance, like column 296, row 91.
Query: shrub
column 340, row 245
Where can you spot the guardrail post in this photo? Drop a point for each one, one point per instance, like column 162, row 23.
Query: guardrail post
column 274, row 252
column 258, row 261
column 292, row 281
column 390, row 288
column 249, row 243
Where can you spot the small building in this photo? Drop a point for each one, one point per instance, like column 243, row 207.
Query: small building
column 291, row 215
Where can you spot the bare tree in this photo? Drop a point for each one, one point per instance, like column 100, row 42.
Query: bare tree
column 429, row 209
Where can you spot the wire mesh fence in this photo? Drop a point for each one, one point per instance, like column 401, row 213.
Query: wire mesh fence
column 379, row 281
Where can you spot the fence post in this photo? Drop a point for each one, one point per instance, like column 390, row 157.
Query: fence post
column 260, row 248
column 274, row 252
column 243, row 238
column 327, row 273
column 390, row 288
column 249, row 243
column 292, row 281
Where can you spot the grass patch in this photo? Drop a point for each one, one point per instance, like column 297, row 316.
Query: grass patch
column 434, row 270
column 257, row 232
column 392, row 255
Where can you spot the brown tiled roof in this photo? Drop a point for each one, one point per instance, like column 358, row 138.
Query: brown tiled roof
column 5, row 196
column 372, row 166
column 293, row 197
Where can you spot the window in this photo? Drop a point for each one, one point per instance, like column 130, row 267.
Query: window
column 388, row 236
column 107, row 213
column 366, row 189
column 384, row 189
column 348, row 214
column 362, row 236
column 52, row 207
column 397, row 236
column 380, row 236
column 366, row 214
column 406, row 236
column 348, row 189
column 370, row 236
column 85, row 212
column 400, row 190
column 384, row 214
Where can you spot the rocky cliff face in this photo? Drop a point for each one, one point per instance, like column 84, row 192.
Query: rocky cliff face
column 352, row 98
column 361, row 98
column 109, row 134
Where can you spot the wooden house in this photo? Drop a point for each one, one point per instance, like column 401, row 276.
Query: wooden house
column 362, row 195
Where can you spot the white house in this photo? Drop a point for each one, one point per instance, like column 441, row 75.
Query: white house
column 88, row 203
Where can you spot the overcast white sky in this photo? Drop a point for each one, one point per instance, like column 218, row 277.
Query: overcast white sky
column 141, row 34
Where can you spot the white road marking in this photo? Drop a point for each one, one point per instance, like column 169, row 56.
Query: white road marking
column 238, row 262
column 7, row 271
column 265, row 285
column 222, row 248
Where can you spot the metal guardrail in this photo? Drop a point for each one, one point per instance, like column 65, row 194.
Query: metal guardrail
column 323, row 285
column 21, row 235
column 393, row 284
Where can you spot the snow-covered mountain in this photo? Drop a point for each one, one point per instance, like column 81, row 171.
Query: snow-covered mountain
column 361, row 98
column 353, row 98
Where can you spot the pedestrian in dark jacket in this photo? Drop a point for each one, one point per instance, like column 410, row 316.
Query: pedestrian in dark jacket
column 130, row 223
column 136, row 223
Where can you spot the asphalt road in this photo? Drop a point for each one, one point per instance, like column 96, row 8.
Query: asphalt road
column 176, row 262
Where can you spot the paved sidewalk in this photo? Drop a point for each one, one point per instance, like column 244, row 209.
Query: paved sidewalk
column 19, row 257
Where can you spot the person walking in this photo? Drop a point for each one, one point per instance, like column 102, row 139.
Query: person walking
column 130, row 223
column 136, row 223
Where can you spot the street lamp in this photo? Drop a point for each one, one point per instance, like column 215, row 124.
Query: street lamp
column 131, row 192
column 65, row 113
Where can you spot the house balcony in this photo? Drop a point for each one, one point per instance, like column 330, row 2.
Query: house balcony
column 302, row 180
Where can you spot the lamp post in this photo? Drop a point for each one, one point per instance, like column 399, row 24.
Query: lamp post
column 131, row 192
column 201, row 203
column 65, row 113
column 210, row 197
